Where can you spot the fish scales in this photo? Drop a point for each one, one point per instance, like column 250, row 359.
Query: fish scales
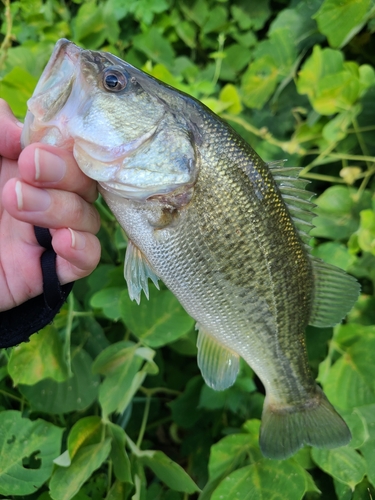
column 224, row 197
column 205, row 214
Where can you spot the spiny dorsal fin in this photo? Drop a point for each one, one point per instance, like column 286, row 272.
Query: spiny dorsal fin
column 296, row 198
column 137, row 271
column 335, row 293
column 219, row 365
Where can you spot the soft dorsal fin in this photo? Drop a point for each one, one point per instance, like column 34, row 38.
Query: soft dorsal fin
column 296, row 198
column 218, row 364
column 335, row 293
column 137, row 271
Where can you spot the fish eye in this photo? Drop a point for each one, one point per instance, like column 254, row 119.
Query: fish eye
column 114, row 80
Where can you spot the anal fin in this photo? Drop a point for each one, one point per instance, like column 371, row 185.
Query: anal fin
column 137, row 271
column 218, row 364
column 334, row 296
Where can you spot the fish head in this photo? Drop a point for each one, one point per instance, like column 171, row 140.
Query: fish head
column 127, row 130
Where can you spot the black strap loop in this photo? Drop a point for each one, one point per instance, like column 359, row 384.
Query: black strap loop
column 17, row 324
column 51, row 286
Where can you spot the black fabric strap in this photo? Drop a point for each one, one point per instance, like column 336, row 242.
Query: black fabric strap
column 17, row 324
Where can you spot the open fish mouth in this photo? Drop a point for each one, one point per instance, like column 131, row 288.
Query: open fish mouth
column 44, row 121
column 69, row 92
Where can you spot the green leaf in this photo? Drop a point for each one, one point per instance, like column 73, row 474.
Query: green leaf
column 337, row 213
column 119, row 491
column 331, row 84
column 36, row 441
column 335, row 253
column 67, row 481
column 181, row 406
column 259, row 82
column 366, row 76
column 251, row 14
column 156, row 322
column 274, row 61
column 216, row 20
column 367, row 413
column 230, row 452
column 94, row 24
column 229, row 94
column 144, row 10
column 108, row 300
column 341, row 20
column 236, row 58
column 350, row 381
column 120, row 459
column 16, row 88
column 86, row 431
column 264, row 479
column 358, row 427
column 126, row 366
column 296, row 22
column 344, row 464
column 114, row 357
column 187, row 32
column 280, row 47
column 366, row 231
column 155, row 47
column 172, row 474
column 337, row 128
column 29, row 56
column 41, row 358
column 76, row 393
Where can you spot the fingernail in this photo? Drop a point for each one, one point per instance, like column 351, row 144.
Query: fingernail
column 19, row 195
column 19, row 124
column 48, row 167
column 78, row 240
column 31, row 199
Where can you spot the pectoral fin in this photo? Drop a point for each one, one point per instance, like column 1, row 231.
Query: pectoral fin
column 137, row 271
column 218, row 364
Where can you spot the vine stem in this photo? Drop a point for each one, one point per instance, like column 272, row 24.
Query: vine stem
column 144, row 421
column 156, row 390
column 110, row 466
column 219, row 60
column 68, row 331
column 7, row 42
column 264, row 133
column 11, row 396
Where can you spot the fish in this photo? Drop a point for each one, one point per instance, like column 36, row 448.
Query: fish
column 227, row 232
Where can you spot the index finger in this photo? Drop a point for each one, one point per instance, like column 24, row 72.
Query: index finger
column 10, row 132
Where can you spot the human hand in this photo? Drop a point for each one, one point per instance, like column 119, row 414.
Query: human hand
column 42, row 186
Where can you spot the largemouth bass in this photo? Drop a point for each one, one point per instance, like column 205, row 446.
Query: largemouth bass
column 225, row 231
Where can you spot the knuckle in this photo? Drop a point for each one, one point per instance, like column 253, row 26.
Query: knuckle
column 95, row 219
column 78, row 211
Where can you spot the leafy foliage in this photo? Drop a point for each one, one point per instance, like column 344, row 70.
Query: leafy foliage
column 115, row 387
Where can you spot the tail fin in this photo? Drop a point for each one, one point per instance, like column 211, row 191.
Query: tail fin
column 285, row 430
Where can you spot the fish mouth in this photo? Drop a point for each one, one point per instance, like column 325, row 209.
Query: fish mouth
column 50, row 95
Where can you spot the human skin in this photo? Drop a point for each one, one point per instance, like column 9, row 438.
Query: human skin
column 42, row 185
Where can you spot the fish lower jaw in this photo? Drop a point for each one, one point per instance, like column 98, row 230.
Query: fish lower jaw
column 134, row 193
